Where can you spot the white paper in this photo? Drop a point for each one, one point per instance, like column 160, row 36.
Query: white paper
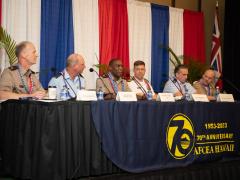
column 165, row 97
column 126, row 96
column 83, row 95
column 200, row 97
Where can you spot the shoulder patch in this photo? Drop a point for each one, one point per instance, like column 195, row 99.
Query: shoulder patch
column 13, row 68
column 146, row 80
column 32, row 72
column 58, row 75
column 105, row 75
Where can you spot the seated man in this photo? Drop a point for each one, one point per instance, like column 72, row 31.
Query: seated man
column 19, row 81
column 178, row 85
column 113, row 81
column 70, row 77
column 139, row 84
column 206, row 85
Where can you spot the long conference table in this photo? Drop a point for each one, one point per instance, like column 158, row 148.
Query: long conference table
column 74, row 139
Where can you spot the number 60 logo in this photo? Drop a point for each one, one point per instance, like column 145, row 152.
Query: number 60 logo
column 180, row 136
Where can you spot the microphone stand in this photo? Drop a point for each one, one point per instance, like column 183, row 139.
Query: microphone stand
column 174, row 81
column 231, row 84
column 104, row 84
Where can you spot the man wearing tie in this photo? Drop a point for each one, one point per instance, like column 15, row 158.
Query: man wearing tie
column 178, row 85
column 70, row 78
column 113, row 81
column 19, row 81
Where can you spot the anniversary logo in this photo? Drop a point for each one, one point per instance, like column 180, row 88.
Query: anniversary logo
column 216, row 140
column 181, row 138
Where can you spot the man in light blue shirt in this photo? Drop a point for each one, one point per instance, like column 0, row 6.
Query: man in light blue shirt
column 178, row 85
column 70, row 77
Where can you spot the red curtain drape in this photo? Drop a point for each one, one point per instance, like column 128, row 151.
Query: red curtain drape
column 113, row 31
column 194, row 39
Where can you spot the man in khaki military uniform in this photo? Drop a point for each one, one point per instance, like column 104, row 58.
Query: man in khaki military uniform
column 206, row 84
column 113, row 81
column 19, row 81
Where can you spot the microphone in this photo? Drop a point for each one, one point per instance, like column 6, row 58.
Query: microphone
column 139, row 85
column 230, row 84
column 66, row 83
column 174, row 80
column 93, row 70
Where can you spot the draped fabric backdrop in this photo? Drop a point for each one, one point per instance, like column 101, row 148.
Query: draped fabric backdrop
column 113, row 30
column 56, row 37
column 160, row 57
column 194, row 41
column 175, row 35
column 104, row 29
column 86, row 36
column 139, row 25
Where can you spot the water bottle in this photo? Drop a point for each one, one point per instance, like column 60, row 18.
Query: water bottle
column 149, row 95
column 100, row 94
column 217, row 92
column 64, row 93
column 187, row 95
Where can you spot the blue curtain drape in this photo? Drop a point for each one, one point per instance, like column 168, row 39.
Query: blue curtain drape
column 160, row 56
column 56, row 37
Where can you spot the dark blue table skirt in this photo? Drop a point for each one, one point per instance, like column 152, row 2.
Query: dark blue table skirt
column 58, row 140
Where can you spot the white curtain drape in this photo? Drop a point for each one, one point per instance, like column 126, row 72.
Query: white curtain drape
column 139, row 24
column 175, row 34
column 86, row 36
column 21, row 19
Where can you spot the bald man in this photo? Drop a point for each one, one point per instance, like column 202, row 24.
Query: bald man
column 206, row 84
column 19, row 81
column 70, row 77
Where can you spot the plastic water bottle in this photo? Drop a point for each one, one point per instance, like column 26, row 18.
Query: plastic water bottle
column 149, row 95
column 64, row 93
column 100, row 94
column 187, row 95
column 217, row 92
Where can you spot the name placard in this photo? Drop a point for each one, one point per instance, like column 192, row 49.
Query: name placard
column 225, row 98
column 126, row 96
column 177, row 98
column 83, row 95
column 200, row 97
column 165, row 97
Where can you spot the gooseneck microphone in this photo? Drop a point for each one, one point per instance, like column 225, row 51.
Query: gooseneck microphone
column 93, row 70
column 66, row 83
column 174, row 81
